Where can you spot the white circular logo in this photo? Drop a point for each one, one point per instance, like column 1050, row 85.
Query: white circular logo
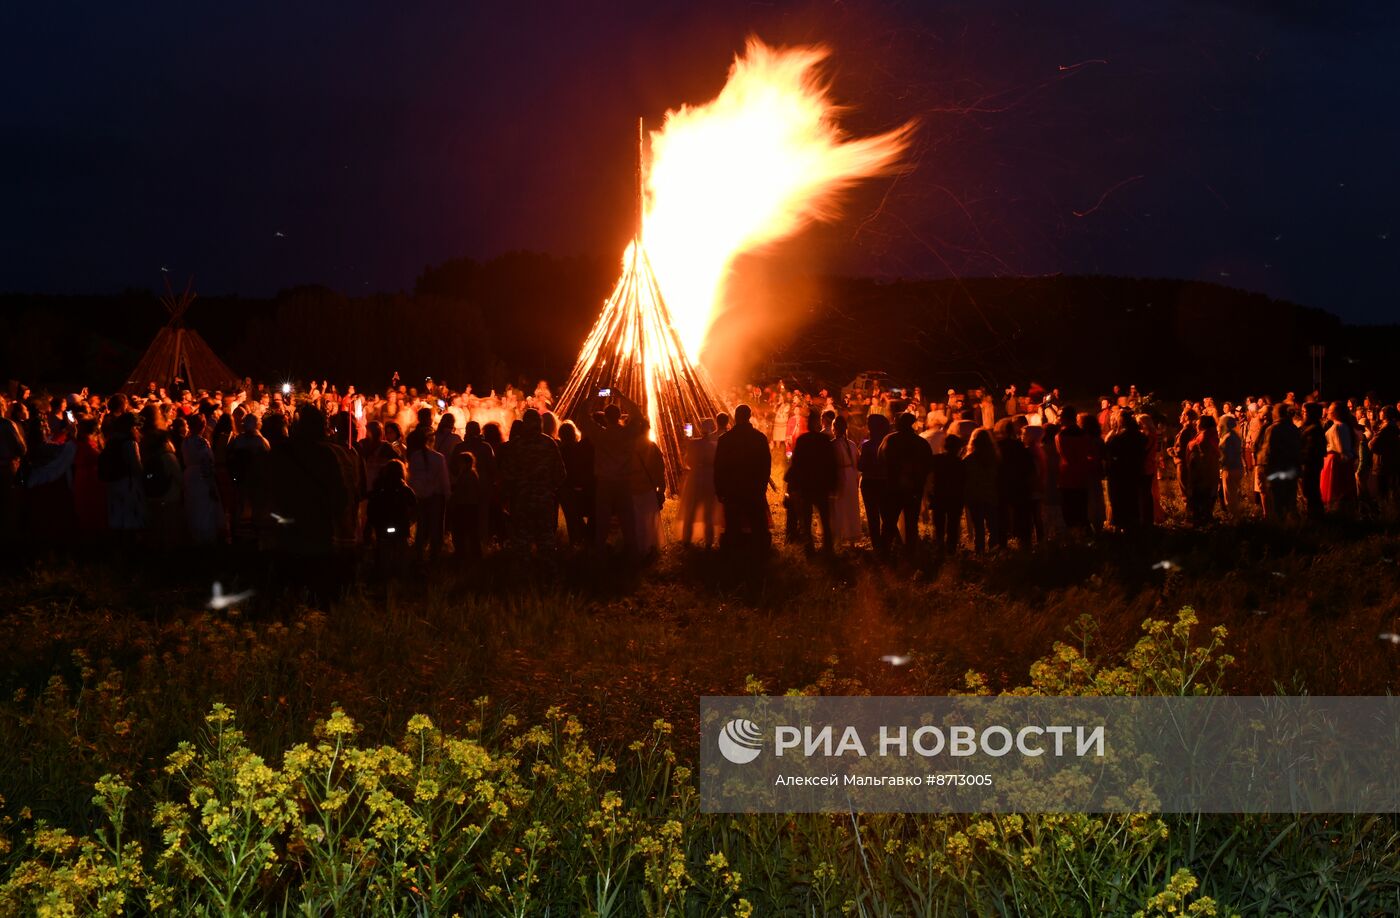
column 740, row 741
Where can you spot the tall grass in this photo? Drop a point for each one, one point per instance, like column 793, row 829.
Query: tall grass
column 500, row 817
column 348, row 781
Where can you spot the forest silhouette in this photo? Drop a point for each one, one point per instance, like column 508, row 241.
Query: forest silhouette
column 522, row 316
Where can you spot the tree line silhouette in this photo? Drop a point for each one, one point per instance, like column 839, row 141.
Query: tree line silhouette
column 522, row 316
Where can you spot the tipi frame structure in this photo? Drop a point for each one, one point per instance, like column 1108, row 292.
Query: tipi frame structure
column 179, row 353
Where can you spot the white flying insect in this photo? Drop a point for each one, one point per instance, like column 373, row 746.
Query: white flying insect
column 895, row 659
column 1390, row 636
column 281, row 520
column 1285, row 475
column 1166, row 566
column 221, row 600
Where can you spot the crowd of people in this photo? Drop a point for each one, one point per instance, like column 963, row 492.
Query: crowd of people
column 1026, row 467
column 318, row 472
column 410, row 472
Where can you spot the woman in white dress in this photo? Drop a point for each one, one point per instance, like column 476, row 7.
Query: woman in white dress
column 780, row 426
column 845, row 503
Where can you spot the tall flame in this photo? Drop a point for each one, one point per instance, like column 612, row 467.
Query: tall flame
column 760, row 162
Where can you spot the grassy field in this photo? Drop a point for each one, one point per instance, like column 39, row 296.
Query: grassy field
column 108, row 667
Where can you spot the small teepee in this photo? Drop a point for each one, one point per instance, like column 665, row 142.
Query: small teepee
column 635, row 351
column 179, row 353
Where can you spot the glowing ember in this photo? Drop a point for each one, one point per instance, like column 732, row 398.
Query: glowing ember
column 760, row 162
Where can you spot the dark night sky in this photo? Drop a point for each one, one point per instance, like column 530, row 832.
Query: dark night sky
column 1249, row 143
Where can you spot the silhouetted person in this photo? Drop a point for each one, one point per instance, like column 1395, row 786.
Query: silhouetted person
column 613, row 457
column 274, row 428
column 425, row 423
column 532, row 473
column 1203, row 472
column 427, row 475
column 1031, row 436
column 907, row 461
column 699, row 507
column 1075, row 473
column 308, row 496
column 119, row 467
column 497, row 520
column 811, row 480
column 390, row 514
column 14, row 450
column 648, row 488
column 165, row 513
column 1385, row 453
column 872, row 477
column 1093, row 436
column 1313, row 442
column 89, row 493
column 446, row 440
column 464, row 520
column 474, row 442
column 246, row 461
column 946, row 493
column 1015, row 483
column 374, row 451
column 1125, row 457
column 346, row 530
column 742, row 468
column 1280, row 456
column 576, row 497
column 980, row 488
column 1180, row 451
column 343, row 430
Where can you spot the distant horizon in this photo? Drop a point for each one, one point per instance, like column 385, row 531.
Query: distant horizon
column 157, row 290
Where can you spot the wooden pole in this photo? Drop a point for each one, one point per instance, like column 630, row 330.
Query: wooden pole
column 641, row 193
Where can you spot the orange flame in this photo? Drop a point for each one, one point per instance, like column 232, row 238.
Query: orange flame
column 760, row 162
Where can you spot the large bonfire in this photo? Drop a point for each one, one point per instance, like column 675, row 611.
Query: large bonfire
column 761, row 161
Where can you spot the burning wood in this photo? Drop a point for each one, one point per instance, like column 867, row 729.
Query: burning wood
column 757, row 164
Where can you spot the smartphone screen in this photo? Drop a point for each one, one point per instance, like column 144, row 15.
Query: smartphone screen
column 604, row 393
column 689, row 430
